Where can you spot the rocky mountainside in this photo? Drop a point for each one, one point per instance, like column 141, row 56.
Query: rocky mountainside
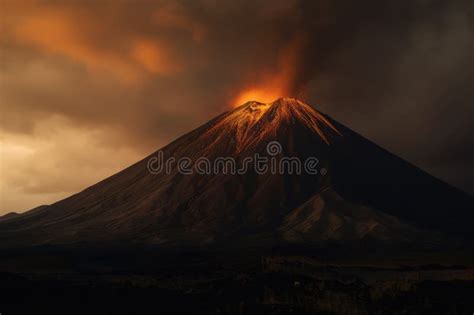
column 355, row 191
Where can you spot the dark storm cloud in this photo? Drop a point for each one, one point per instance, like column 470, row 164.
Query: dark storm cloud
column 140, row 73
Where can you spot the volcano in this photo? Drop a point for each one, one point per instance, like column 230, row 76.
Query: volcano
column 359, row 192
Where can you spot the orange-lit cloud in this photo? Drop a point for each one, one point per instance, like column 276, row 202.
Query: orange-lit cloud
column 75, row 35
column 274, row 83
column 55, row 32
column 152, row 57
column 171, row 15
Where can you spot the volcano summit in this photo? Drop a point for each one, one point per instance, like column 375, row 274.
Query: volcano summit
column 365, row 193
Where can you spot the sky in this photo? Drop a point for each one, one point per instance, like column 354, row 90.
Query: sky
column 90, row 87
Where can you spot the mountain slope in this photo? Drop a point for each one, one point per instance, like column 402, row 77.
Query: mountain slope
column 327, row 216
column 136, row 206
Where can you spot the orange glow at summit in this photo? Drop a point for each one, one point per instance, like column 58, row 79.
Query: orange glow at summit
column 272, row 85
column 257, row 94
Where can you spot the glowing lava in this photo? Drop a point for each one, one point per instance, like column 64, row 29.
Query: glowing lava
column 257, row 94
